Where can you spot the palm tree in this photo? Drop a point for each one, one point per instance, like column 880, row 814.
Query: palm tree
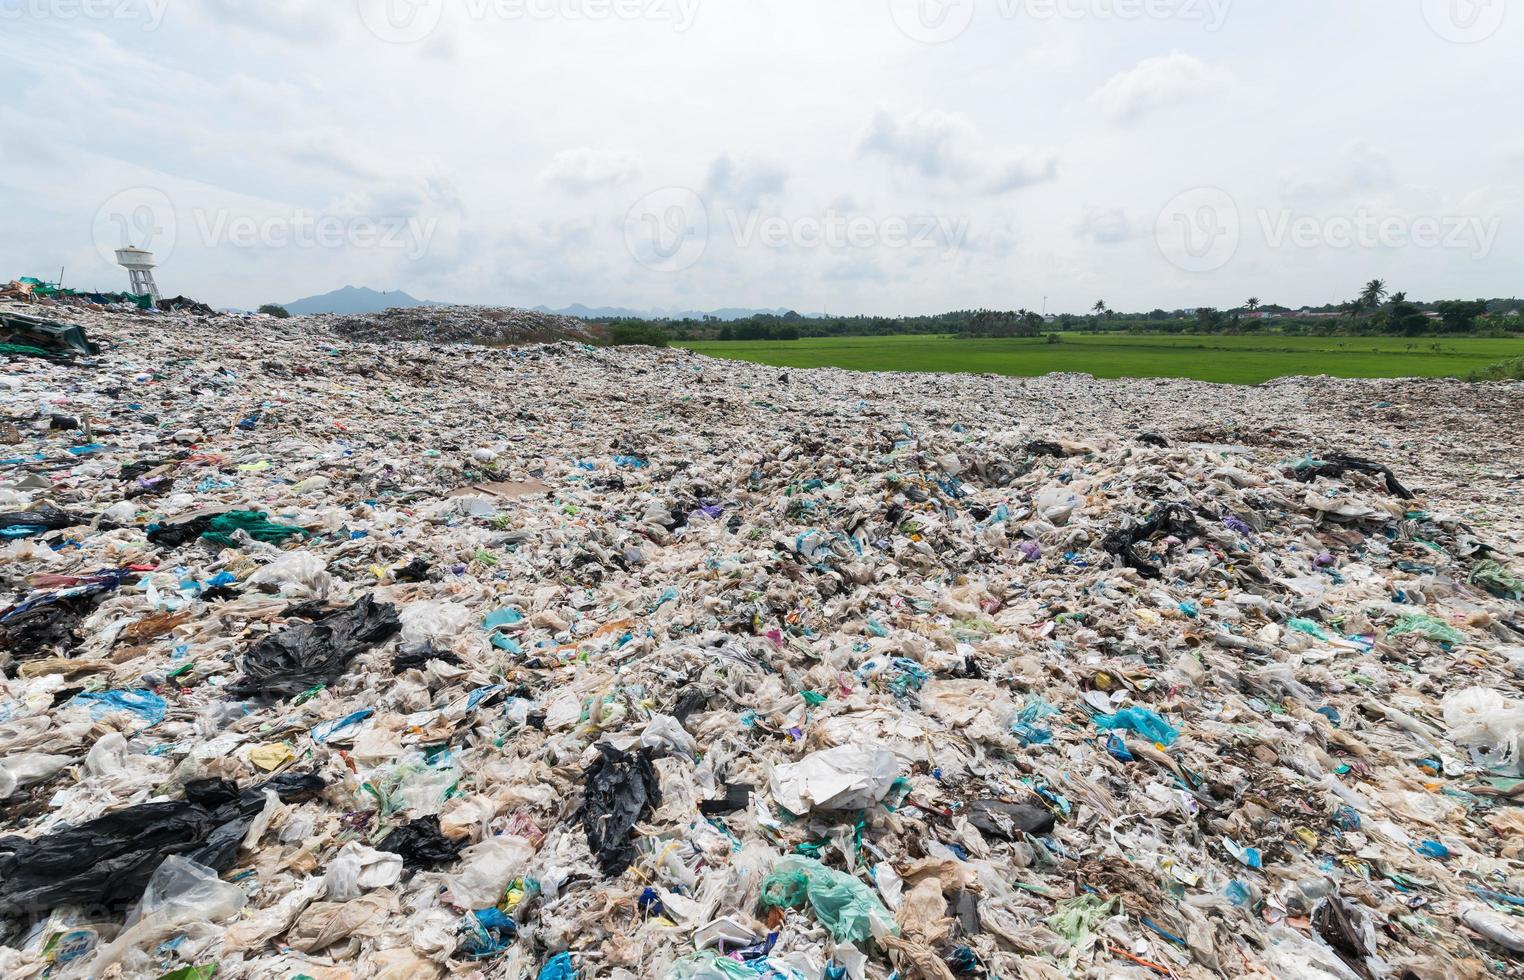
column 1373, row 294
column 1099, row 308
column 1253, row 304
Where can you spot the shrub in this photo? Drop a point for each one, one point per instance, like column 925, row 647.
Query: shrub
column 637, row 334
column 275, row 310
column 1506, row 371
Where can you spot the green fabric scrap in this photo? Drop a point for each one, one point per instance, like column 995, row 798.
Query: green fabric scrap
column 1309, row 627
column 254, row 523
column 1077, row 919
column 1420, row 624
column 843, row 904
column 1496, row 579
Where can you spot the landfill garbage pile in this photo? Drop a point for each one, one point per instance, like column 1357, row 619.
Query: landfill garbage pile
column 491, row 326
column 335, row 660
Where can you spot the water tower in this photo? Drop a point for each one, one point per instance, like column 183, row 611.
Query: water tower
column 139, row 265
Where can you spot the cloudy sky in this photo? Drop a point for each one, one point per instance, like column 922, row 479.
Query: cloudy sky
column 876, row 156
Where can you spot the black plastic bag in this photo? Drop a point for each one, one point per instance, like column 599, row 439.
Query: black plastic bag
column 1337, row 464
column 1173, row 519
column 48, row 621
column 1339, row 924
column 1003, row 820
column 302, row 657
column 174, row 535
column 621, row 790
column 418, row 655
column 422, row 844
column 737, row 797
column 42, row 518
column 106, row 862
column 416, row 570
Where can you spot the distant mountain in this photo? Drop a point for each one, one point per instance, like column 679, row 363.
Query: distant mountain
column 354, row 299
column 621, row 312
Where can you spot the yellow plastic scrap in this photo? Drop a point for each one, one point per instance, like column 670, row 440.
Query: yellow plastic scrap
column 271, row 755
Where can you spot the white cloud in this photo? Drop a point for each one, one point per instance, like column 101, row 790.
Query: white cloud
column 944, row 148
column 743, row 184
column 291, row 20
column 1105, row 227
column 1158, row 83
column 1360, row 169
column 587, row 169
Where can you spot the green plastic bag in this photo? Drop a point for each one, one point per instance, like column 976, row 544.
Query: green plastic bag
column 1076, row 919
column 252, row 522
column 844, row 905
column 1427, row 627
column 1496, row 579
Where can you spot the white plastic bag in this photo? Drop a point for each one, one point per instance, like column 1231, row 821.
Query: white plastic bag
column 1057, row 504
column 296, row 574
column 1482, row 720
column 846, row 778
column 357, row 869
column 486, row 870
column 431, row 622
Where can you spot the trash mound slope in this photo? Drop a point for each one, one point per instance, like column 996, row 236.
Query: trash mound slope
column 558, row 662
column 491, row 326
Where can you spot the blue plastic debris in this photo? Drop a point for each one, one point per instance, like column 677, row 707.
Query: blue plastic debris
column 145, row 704
column 328, row 729
column 1144, row 721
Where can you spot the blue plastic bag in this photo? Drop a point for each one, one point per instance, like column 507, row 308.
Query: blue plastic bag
column 559, row 967
column 1150, row 724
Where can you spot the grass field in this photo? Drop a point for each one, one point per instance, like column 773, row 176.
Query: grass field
column 1234, row 360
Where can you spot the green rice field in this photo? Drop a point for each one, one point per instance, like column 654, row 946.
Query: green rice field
column 1233, row 360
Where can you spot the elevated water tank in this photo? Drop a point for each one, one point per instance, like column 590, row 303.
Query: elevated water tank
column 139, row 265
